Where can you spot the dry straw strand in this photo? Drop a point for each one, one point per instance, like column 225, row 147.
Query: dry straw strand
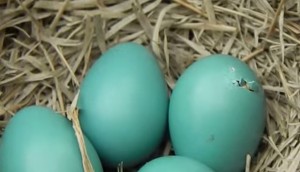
column 73, row 115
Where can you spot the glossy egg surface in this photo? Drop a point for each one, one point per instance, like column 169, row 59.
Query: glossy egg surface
column 217, row 113
column 37, row 139
column 123, row 104
column 174, row 164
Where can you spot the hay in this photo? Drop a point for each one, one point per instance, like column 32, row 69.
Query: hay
column 46, row 47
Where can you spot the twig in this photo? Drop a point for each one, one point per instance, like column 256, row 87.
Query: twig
column 253, row 54
column 275, row 20
column 191, row 7
column 269, row 33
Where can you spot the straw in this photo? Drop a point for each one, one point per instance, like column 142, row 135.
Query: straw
column 47, row 47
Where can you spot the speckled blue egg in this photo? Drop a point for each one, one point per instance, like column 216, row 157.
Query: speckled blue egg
column 123, row 104
column 217, row 113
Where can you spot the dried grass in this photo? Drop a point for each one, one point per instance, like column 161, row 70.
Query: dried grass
column 46, row 47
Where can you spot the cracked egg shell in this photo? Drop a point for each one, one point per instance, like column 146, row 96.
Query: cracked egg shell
column 123, row 105
column 37, row 139
column 217, row 113
column 174, row 164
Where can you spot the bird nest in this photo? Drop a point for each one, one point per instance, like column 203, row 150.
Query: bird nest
column 47, row 46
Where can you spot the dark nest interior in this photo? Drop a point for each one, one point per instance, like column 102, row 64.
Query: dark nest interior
column 47, row 46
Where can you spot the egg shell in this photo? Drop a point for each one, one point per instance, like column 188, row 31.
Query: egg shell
column 37, row 139
column 217, row 113
column 174, row 164
column 123, row 105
